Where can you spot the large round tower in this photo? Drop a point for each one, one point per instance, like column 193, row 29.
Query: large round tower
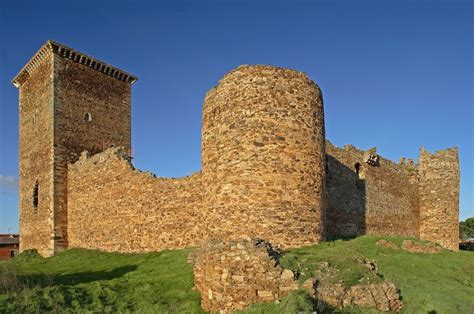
column 263, row 158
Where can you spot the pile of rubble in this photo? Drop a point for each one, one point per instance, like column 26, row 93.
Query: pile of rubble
column 232, row 275
column 418, row 247
column 382, row 296
column 387, row 244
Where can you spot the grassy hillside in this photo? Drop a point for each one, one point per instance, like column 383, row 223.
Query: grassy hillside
column 84, row 281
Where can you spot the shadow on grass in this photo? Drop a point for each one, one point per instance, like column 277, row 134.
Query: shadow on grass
column 333, row 238
column 45, row 280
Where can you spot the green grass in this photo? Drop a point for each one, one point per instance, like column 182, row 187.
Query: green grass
column 84, row 281
column 91, row 281
column 442, row 282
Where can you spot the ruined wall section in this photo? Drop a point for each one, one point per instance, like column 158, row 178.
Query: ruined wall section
column 36, row 158
column 439, row 197
column 113, row 207
column 232, row 275
column 92, row 112
column 379, row 200
column 263, row 156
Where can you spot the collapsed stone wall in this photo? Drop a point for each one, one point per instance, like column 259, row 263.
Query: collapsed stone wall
column 113, row 207
column 378, row 199
column 234, row 274
column 439, row 197
column 263, row 156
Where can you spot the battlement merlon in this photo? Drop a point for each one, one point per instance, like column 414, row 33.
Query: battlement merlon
column 74, row 55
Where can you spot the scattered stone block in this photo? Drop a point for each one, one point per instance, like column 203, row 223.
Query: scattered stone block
column 419, row 247
column 387, row 244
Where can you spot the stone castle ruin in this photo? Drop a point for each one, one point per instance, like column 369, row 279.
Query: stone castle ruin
column 267, row 169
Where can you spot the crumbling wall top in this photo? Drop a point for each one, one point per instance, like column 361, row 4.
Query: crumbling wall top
column 120, row 154
column 405, row 164
column 451, row 151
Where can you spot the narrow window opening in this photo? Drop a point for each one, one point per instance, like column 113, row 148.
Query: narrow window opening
column 357, row 167
column 12, row 253
column 35, row 195
column 88, row 117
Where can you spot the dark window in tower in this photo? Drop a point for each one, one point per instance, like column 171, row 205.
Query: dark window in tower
column 35, row 195
column 88, row 117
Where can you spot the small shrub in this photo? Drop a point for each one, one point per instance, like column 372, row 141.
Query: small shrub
column 28, row 256
column 9, row 281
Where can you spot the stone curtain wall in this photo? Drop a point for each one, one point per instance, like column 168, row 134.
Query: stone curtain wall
column 264, row 169
column 263, row 156
column 380, row 200
column 439, row 197
column 35, row 158
column 113, row 207
column 79, row 91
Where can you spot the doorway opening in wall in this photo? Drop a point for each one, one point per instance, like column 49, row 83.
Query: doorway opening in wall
column 35, row 195
column 357, row 167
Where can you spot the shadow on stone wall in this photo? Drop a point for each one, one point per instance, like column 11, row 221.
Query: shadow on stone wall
column 345, row 204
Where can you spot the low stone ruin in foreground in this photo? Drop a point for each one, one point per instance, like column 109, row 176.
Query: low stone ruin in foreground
column 232, row 275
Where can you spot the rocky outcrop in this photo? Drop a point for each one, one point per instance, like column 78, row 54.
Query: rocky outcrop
column 231, row 275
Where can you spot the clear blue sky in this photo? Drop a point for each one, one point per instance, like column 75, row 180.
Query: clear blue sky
column 395, row 74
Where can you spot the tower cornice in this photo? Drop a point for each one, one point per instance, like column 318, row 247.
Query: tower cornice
column 68, row 53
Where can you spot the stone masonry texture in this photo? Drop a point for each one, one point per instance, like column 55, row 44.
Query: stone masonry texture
column 267, row 169
column 56, row 98
column 380, row 200
column 81, row 91
column 36, row 159
column 439, row 197
column 263, row 156
column 114, row 207
column 232, row 275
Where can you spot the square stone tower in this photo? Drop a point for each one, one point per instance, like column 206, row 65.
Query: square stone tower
column 68, row 103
